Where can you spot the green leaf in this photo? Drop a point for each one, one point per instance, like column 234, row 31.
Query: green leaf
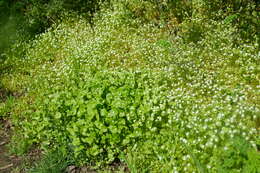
column 58, row 115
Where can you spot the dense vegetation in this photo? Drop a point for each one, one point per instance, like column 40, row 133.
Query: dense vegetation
column 159, row 86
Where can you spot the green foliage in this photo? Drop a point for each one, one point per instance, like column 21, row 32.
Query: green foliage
column 41, row 14
column 165, row 13
column 125, row 87
column 19, row 146
column 192, row 31
column 10, row 22
column 6, row 108
column 155, row 11
column 97, row 117
column 52, row 162
column 244, row 14
column 238, row 156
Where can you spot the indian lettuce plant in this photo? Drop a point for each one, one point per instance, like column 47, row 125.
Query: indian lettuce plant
column 121, row 90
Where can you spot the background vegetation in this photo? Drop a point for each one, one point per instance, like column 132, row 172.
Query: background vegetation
column 157, row 86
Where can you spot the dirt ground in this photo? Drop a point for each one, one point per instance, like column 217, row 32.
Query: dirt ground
column 8, row 162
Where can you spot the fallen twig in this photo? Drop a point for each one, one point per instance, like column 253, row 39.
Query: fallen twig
column 2, row 143
column 6, row 167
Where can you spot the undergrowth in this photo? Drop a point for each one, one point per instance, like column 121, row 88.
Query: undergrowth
column 52, row 162
column 132, row 90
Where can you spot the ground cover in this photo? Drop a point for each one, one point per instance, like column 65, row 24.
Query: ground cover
column 124, row 91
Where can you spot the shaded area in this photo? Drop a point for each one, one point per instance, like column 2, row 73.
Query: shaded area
column 4, row 93
column 7, row 162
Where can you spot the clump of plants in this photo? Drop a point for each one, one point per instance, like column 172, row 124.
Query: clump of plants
column 237, row 156
column 119, row 89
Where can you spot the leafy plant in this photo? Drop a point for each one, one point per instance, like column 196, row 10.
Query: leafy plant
column 125, row 85
column 53, row 161
column 238, row 156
